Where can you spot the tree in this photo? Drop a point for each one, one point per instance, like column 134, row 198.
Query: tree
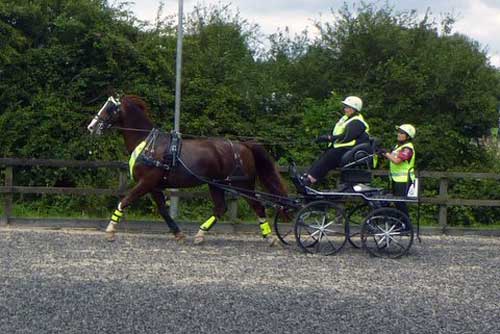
column 407, row 72
column 219, row 74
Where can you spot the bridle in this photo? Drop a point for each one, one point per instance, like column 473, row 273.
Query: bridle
column 111, row 111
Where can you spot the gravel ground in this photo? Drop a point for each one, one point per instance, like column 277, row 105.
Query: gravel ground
column 76, row 282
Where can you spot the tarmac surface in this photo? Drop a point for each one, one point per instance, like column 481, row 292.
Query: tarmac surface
column 73, row 281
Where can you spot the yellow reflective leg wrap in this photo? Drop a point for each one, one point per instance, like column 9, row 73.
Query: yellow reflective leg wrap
column 265, row 228
column 208, row 224
column 117, row 216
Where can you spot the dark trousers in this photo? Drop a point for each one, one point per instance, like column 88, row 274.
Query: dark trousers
column 329, row 160
column 400, row 189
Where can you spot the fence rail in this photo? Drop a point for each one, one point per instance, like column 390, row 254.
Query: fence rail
column 443, row 199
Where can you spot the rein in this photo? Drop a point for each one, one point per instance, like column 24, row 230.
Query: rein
column 276, row 201
column 191, row 136
column 129, row 129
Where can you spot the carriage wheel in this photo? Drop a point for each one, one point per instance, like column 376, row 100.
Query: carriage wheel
column 283, row 225
column 320, row 228
column 354, row 220
column 387, row 232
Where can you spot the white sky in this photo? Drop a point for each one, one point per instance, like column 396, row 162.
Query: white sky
column 478, row 19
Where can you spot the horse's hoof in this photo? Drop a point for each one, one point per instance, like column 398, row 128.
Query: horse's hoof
column 180, row 237
column 198, row 240
column 199, row 237
column 271, row 241
column 110, row 236
column 111, row 228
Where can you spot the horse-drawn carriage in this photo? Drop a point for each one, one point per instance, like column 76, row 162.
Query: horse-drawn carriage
column 323, row 222
column 318, row 221
column 355, row 212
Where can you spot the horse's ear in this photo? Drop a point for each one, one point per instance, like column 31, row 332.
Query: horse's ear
column 110, row 91
column 114, row 93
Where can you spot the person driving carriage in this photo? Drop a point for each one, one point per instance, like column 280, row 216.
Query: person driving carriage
column 348, row 132
column 402, row 163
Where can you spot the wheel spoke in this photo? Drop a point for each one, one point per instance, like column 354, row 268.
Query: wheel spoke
column 380, row 241
column 334, row 232
column 312, row 235
column 397, row 243
column 375, row 226
column 335, row 221
column 330, row 242
column 402, row 232
column 317, row 246
column 389, row 230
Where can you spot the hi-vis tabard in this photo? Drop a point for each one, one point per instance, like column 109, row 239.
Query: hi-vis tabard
column 339, row 130
column 400, row 172
column 133, row 157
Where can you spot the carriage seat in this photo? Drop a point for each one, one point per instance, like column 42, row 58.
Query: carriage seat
column 360, row 155
column 358, row 162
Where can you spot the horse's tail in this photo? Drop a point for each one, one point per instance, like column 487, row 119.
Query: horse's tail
column 266, row 169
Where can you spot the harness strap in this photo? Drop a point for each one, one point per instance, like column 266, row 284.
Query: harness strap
column 237, row 174
column 144, row 152
column 175, row 147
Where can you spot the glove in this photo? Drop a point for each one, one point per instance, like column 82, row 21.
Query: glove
column 381, row 151
column 324, row 139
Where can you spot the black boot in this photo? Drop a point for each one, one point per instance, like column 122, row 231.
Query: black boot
column 304, row 180
column 299, row 183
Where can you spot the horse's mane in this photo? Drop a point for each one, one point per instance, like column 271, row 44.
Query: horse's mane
column 137, row 101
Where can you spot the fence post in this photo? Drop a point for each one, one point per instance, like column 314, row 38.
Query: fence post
column 443, row 208
column 7, row 207
column 233, row 208
column 174, row 204
column 122, row 187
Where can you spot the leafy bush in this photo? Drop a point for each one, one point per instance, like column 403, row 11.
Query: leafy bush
column 60, row 59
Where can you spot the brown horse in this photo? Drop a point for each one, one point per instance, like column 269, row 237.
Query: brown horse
column 201, row 159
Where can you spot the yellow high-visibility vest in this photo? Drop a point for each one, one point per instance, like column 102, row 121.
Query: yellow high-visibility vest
column 400, row 172
column 339, row 130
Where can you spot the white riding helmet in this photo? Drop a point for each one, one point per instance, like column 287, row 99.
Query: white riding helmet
column 354, row 102
column 408, row 129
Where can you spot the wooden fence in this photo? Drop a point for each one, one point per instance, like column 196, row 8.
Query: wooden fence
column 443, row 199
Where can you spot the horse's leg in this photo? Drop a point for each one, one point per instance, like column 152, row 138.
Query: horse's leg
column 260, row 211
column 265, row 227
column 159, row 199
column 139, row 190
column 219, row 209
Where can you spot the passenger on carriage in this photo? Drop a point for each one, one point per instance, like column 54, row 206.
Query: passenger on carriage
column 402, row 163
column 349, row 131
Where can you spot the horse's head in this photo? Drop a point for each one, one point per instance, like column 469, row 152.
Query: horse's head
column 106, row 117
